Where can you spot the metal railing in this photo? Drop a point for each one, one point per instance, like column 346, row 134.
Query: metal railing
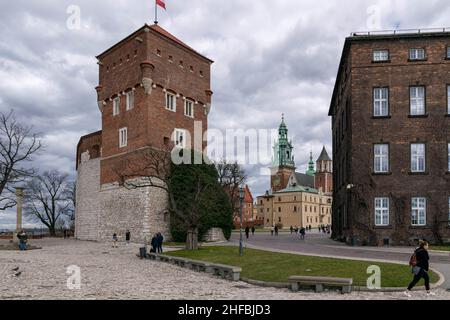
column 399, row 32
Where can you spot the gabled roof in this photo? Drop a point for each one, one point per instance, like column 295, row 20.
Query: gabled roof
column 324, row 155
column 159, row 30
column 304, row 180
column 299, row 189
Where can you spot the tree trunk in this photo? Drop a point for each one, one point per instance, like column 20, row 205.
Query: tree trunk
column 192, row 239
column 52, row 231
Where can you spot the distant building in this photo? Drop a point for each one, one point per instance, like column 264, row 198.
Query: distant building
column 391, row 139
column 247, row 210
column 296, row 199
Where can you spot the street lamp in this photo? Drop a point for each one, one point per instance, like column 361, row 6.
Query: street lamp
column 241, row 200
column 19, row 201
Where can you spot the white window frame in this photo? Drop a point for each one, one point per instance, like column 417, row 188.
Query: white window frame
column 417, row 97
column 381, row 55
column 448, row 99
column 448, row 157
column 381, row 158
column 116, row 106
column 380, row 102
column 172, row 108
column 419, row 211
column 186, row 102
column 130, row 99
column 123, row 137
column 414, row 54
column 382, row 212
column 418, row 157
column 177, row 133
column 447, row 53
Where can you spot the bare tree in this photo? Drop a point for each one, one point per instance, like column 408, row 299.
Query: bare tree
column 46, row 200
column 231, row 178
column 17, row 146
column 153, row 170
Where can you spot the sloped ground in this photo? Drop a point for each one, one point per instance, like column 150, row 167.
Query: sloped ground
column 108, row 273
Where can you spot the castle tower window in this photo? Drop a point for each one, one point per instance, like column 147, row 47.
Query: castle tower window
column 381, row 212
column 130, row 100
column 448, row 99
column 171, row 102
column 123, row 137
column 381, row 158
column 448, row 53
column 158, row 53
column 181, row 64
column 448, row 158
column 170, row 58
column 116, row 106
column 189, row 108
column 380, row 55
column 201, row 74
column 418, row 157
column 417, row 54
column 417, row 98
column 180, row 138
column 380, row 102
column 191, row 68
column 419, row 211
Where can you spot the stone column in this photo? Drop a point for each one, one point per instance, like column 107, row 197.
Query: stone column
column 19, row 197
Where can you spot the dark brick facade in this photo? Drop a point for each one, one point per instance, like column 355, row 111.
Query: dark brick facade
column 356, row 131
column 149, row 53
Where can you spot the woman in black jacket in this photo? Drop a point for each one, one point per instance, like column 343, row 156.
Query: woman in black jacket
column 421, row 268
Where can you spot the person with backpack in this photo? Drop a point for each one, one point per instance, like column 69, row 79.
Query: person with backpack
column 420, row 266
column 247, row 232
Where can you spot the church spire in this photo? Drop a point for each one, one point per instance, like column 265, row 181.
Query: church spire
column 311, row 170
column 283, row 147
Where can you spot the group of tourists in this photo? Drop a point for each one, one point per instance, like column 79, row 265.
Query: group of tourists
column 116, row 239
column 247, row 231
column 157, row 243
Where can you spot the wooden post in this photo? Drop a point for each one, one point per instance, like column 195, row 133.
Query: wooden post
column 19, row 200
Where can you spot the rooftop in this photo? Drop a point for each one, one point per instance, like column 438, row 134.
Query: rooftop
column 298, row 189
column 402, row 32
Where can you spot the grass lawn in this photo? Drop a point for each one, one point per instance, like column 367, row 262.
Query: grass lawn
column 278, row 267
column 440, row 248
column 174, row 244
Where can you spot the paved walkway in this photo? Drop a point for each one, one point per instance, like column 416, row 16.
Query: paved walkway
column 320, row 245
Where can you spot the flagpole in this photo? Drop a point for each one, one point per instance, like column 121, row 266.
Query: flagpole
column 156, row 13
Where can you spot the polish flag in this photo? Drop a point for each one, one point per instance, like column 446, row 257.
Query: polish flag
column 161, row 3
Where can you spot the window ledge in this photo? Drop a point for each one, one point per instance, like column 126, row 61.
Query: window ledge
column 448, row 115
column 383, row 227
column 417, row 60
column 418, row 173
column 382, row 61
column 381, row 117
column 419, row 227
column 381, row 173
column 418, row 116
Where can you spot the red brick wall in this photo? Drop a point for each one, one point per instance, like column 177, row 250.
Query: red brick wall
column 149, row 123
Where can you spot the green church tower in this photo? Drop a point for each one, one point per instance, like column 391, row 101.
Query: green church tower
column 311, row 170
column 283, row 164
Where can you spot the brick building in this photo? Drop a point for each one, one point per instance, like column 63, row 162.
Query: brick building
column 154, row 92
column 391, row 139
column 247, row 209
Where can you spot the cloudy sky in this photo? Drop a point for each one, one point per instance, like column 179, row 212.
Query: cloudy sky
column 271, row 57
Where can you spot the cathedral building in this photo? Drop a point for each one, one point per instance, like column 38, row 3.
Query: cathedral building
column 154, row 92
column 297, row 199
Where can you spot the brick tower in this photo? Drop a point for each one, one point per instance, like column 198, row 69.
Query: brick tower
column 154, row 92
column 324, row 174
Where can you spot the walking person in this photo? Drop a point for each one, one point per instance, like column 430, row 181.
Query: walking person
column 247, row 232
column 292, row 229
column 272, row 231
column 276, row 230
column 128, row 237
column 115, row 239
column 302, row 233
column 160, row 240
column 154, row 244
column 420, row 263
column 253, row 230
column 23, row 239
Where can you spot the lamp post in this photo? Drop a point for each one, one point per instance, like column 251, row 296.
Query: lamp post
column 241, row 200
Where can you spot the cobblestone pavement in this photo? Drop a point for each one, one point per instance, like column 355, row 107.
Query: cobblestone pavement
column 108, row 273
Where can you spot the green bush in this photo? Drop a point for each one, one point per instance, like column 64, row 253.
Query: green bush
column 213, row 206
